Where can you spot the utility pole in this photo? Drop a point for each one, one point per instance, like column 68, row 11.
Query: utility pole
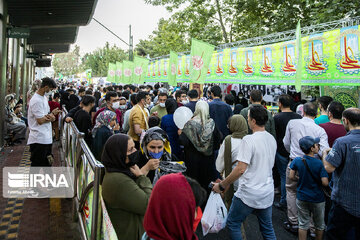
column 130, row 44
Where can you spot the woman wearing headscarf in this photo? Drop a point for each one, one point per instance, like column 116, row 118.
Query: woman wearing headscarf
column 104, row 128
column 156, row 157
column 168, row 125
column 13, row 123
column 34, row 87
column 125, row 188
column 173, row 209
column 73, row 102
column 200, row 139
column 227, row 158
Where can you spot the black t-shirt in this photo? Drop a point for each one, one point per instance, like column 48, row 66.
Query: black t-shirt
column 82, row 121
column 281, row 120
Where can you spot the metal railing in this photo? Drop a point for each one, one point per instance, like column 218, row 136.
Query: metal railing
column 87, row 171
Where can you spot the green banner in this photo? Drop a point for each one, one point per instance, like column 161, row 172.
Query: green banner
column 299, row 55
column 119, row 72
column 329, row 58
column 173, row 68
column 111, row 73
column 201, row 54
column 347, row 95
column 128, row 68
column 140, row 69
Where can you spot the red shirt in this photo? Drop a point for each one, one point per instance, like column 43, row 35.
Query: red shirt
column 53, row 105
column 333, row 131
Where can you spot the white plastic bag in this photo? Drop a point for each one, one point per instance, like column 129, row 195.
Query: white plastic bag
column 215, row 214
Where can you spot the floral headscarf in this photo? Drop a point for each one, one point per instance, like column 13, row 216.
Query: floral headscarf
column 155, row 133
column 103, row 119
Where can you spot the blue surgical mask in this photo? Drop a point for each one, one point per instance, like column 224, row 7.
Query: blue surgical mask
column 156, row 155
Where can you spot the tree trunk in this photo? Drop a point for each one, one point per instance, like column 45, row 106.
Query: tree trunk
column 221, row 21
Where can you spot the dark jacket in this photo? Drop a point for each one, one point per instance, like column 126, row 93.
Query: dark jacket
column 199, row 166
column 220, row 112
column 126, row 201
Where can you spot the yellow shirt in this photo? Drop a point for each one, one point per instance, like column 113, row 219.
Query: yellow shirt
column 138, row 115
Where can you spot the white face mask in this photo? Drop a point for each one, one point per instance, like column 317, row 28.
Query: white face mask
column 184, row 102
column 115, row 105
column 162, row 105
column 47, row 94
column 123, row 107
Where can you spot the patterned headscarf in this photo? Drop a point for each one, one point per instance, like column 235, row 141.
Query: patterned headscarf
column 103, row 119
column 167, row 164
column 9, row 100
column 199, row 130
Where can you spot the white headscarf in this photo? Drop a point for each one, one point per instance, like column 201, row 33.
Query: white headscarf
column 202, row 111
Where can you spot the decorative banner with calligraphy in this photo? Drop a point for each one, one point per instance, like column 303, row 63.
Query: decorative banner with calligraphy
column 201, row 54
column 140, row 69
column 128, row 68
column 111, row 73
column 173, row 68
column 118, row 73
column 329, row 58
column 347, row 95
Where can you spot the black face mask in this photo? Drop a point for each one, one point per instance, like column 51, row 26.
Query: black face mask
column 133, row 159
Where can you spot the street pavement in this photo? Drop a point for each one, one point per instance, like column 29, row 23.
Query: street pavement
column 252, row 229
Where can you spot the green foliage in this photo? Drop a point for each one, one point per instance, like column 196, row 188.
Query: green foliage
column 67, row 63
column 98, row 60
column 222, row 21
column 165, row 38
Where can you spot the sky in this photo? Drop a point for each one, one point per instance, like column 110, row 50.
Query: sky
column 117, row 15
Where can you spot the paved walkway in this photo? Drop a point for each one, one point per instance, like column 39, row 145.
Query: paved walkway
column 34, row 218
column 51, row 218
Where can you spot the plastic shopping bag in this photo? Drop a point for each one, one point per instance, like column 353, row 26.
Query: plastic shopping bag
column 215, row 214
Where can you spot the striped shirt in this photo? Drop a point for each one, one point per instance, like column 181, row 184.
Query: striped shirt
column 299, row 128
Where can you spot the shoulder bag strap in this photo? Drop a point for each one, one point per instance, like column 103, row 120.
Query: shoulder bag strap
column 311, row 174
column 228, row 168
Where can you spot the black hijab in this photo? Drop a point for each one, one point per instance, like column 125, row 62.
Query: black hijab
column 114, row 154
column 73, row 101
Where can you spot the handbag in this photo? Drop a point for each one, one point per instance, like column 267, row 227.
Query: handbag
column 326, row 190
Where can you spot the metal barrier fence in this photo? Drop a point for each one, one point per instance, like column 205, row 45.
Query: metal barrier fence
column 87, row 202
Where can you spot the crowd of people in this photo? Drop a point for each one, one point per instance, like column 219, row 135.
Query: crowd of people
column 158, row 177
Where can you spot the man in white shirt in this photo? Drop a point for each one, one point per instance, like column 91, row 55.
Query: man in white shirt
column 39, row 119
column 255, row 193
column 295, row 130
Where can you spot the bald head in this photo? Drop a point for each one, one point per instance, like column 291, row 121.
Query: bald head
column 351, row 118
column 310, row 110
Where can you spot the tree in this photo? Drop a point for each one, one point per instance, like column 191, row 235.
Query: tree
column 168, row 36
column 67, row 63
column 98, row 60
column 242, row 19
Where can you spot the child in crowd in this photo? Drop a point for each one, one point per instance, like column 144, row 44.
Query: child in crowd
column 310, row 197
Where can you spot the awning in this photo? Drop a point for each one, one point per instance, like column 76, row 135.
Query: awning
column 53, row 23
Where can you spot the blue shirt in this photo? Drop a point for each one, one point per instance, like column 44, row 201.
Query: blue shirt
column 307, row 189
column 220, row 112
column 345, row 157
column 191, row 105
column 321, row 119
column 168, row 125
